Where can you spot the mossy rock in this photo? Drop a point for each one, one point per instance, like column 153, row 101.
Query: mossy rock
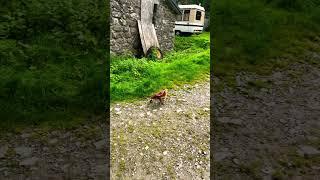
column 154, row 53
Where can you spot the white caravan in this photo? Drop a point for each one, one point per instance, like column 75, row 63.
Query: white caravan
column 191, row 20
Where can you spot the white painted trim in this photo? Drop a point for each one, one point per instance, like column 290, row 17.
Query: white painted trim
column 191, row 7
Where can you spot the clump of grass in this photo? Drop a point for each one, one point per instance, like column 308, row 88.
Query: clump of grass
column 133, row 78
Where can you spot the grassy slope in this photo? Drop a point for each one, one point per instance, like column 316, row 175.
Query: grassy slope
column 52, row 57
column 133, row 78
column 257, row 36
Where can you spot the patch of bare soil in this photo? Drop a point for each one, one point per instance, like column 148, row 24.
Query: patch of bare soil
column 170, row 141
column 269, row 126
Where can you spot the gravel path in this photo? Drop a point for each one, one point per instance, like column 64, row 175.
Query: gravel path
column 37, row 154
column 269, row 126
column 170, row 141
column 147, row 141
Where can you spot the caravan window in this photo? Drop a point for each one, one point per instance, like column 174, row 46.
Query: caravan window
column 198, row 15
column 186, row 15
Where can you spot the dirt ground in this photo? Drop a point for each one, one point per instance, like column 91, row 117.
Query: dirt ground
column 170, row 141
column 37, row 154
column 269, row 126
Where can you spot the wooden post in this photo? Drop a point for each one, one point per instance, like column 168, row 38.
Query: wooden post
column 147, row 31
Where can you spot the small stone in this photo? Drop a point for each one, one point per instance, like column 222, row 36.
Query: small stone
column 308, row 150
column 183, row 100
column 149, row 114
column 270, row 104
column 117, row 109
column 277, row 75
column 25, row 135
column 23, row 151
column 29, row 161
column 267, row 170
column 238, row 80
column 78, row 144
column 100, row 144
column 229, row 120
column 141, row 114
column 53, row 141
column 283, row 121
column 236, row 161
column 291, row 91
column 3, row 151
column 118, row 112
column 165, row 152
column 179, row 110
column 146, row 148
column 206, row 109
column 219, row 156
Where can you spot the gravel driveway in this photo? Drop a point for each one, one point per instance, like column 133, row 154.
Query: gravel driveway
column 170, row 141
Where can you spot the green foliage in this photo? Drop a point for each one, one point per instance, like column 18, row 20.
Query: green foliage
column 133, row 78
column 52, row 55
column 81, row 23
column 294, row 5
column 250, row 35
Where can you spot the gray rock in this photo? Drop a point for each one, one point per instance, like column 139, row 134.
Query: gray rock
column 219, row 156
column 308, row 150
column 23, row 151
column 53, row 141
column 100, row 144
column 236, row 161
column 101, row 169
column 3, row 151
column 238, row 80
column 267, row 170
column 25, row 135
column 229, row 120
column 29, row 161
column 277, row 75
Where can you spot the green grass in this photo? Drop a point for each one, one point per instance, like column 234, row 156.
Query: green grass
column 261, row 35
column 52, row 57
column 133, row 78
column 42, row 84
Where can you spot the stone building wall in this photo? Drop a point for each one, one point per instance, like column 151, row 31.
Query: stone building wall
column 124, row 27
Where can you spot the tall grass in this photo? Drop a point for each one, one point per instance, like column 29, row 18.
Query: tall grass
column 249, row 34
column 52, row 56
column 133, row 78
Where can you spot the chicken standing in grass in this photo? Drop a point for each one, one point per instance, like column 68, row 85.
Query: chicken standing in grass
column 161, row 96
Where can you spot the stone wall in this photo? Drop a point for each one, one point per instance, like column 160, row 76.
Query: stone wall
column 124, row 27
